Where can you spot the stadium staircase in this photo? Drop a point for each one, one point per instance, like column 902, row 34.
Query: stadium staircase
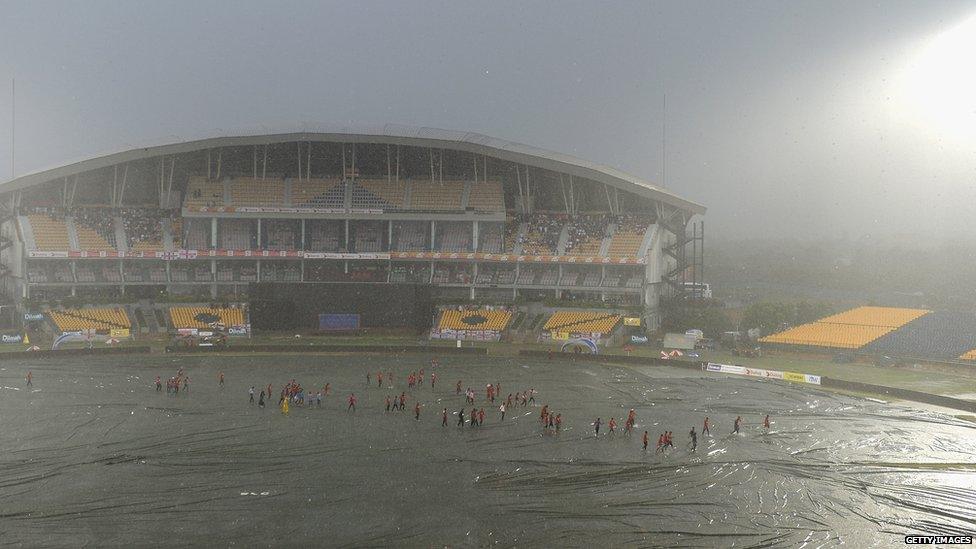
column 121, row 243
column 407, row 194
column 73, row 241
column 605, row 244
column 650, row 235
column 519, row 234
column 169, row 241
column 286, row 192
column 27, row 232
column 563, row 240
column 150, row 321
column 6, row 216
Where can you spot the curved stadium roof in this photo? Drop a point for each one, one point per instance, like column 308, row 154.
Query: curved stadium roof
column 388, row 134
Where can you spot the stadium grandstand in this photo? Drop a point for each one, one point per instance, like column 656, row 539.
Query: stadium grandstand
column 888, row 331
column 475, row 218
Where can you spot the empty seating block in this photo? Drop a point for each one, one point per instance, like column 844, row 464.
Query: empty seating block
column 318, row 193
column 625, row 244
column 628, row 237
column 50, row 234
column 254, row 193
column 943, row 335
column 851, row 329
column 378, row 194
column 202, row 193
column 487, row 196
column 892, row 317
column 204, row 317
column 436, row 196
column 474, row 320
column 102, row 320
column 582, row 322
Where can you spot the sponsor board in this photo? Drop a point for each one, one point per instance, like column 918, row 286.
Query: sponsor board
column 632, row 321
column 638, row 339
column 762, row 373
column 11, row 338
column 465, row 335
column 237, row 331
column 793, row 376
column 187, row 331
column 29, row 317
column 185, row 254
column 119, row 332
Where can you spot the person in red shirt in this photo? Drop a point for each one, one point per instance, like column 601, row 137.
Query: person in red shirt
column 416, row 411
column 220, row 379
column 379, row 379
column 645, row 440
column 705, row 427
column 457, row 388
column 481, row 416
column 444, row 418
column 660, row 443
column 559, row 421
column 612, row 425
column 352, row 402
column 433, row 379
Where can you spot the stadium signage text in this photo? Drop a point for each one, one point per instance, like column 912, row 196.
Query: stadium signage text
column 29, row 317
column 639, row 339
column 763, row 373
column 11, row 338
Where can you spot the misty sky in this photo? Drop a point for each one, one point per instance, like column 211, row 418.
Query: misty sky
column 783, row 117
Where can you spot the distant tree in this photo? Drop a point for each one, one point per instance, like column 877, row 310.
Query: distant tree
column 771, row 317
column 709, row 317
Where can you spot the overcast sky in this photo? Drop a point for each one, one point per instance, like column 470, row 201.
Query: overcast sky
column 801, row 118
